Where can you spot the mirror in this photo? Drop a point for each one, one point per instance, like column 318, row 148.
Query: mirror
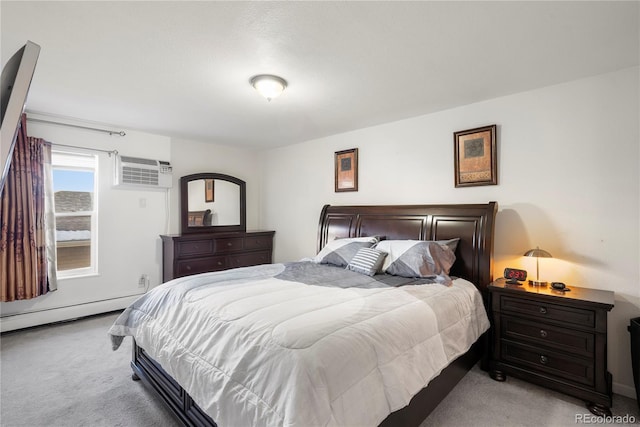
column 212, row 203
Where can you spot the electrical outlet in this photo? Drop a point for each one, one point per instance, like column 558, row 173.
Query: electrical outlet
column 142, row 281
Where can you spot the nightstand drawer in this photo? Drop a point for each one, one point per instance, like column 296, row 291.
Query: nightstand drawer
column 556, row 364
column 518, row 329
column 200, row 265
column 543, row 310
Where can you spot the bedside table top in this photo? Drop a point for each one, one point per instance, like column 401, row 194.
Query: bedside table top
column 577, row 293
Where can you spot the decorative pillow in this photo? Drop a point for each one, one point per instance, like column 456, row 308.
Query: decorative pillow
column 367, row 261
column 340, row 251
column 416, row 258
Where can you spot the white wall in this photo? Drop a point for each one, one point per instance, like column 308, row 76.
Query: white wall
column 129, row 223
column 568, row 181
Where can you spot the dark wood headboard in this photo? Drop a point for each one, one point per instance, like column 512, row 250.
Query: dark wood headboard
column 472, row 223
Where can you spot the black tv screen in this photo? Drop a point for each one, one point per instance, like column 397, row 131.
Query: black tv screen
column 14, row 88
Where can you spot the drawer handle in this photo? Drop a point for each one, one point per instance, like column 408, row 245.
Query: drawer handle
column 544, row 360
column 189, row 267
column 257, row 242
column 543, row 310
column 219, row 262
column 229, row 244
column 543, row 333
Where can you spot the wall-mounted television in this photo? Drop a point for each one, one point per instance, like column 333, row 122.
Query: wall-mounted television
column 14, row 88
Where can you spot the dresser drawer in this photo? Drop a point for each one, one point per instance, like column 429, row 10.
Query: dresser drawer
column 543, row 310
column 229, row 244
column 190, row 248
column 258, row 242
column 200, row 265
column 578, row 342
column 246, row 260
column 556, row 364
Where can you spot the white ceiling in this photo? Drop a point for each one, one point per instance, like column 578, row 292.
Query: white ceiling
column 182, row 68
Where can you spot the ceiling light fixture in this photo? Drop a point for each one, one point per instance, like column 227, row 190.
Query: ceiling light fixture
column 268, row 85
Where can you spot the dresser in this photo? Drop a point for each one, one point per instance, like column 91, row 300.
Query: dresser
column 554, row 339
column 187, row 254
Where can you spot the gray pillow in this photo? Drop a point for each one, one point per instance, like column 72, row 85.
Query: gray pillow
column 339, row 252
column 416, row 258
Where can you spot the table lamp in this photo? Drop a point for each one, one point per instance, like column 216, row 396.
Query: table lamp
column 538, row 253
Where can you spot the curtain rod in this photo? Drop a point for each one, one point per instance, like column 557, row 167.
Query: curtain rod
column 109, row 152
column 110, row 132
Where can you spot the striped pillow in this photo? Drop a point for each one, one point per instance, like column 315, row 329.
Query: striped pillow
column 367, row 261
column 339, row 252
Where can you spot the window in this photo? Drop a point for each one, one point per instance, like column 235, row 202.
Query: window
column 75, row 207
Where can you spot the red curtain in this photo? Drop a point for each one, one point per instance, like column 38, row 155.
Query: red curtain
column 23, row 260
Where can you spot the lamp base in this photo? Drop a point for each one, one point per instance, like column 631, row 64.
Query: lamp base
column 537, row 283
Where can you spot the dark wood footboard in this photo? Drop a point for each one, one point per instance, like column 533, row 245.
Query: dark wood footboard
column 167, row 389
column 189, row 414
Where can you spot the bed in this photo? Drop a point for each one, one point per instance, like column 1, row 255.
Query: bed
column 181, row 379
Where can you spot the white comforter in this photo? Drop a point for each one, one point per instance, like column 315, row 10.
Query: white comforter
column 253, row 349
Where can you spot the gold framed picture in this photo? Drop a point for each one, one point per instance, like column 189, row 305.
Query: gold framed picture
column 208, row 190
column 475, row 157
column 346, row 166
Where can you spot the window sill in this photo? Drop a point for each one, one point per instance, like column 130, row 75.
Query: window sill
column 77, row 276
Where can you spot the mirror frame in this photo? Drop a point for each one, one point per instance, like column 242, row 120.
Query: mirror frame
column 184, row 205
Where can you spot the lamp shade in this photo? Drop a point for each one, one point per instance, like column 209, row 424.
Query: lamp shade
column 268, row 85
column 538, row 253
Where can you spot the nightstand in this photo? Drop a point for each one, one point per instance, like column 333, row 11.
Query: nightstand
column 554, row 339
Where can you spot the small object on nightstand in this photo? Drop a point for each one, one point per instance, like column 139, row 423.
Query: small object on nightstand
column 559, row 286
column 514, row 276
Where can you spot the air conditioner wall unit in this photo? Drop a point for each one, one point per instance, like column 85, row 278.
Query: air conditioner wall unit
column 139, row 172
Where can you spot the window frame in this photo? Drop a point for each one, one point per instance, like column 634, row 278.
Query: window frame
column 92, row 269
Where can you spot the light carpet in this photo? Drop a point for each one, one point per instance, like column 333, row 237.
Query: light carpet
column 66, row 375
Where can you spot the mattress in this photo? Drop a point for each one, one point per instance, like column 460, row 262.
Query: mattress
column 303, row 344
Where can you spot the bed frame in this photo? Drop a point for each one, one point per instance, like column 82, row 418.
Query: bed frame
column 472, row 223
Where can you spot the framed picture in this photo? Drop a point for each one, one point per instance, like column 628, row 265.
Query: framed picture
column 346, row 170
column 475, row 159
column 208, row 190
